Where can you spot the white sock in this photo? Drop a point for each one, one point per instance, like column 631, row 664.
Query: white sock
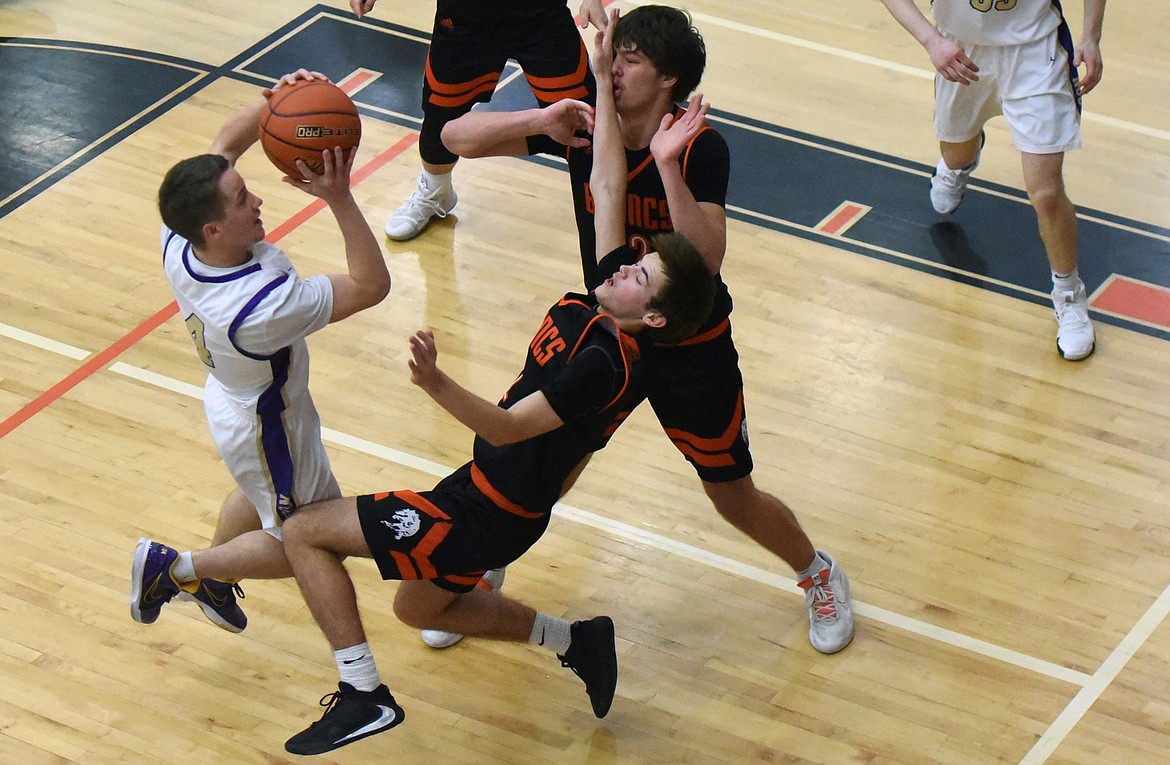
column 184, row 569
column 551, row 632
column 817, row 564
column 356, row 666
column 432, row 181
column 1066, row 282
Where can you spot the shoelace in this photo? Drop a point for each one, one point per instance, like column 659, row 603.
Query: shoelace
column 824, row 603
column 329, row 700
column 423, row 201
column 1070, row 314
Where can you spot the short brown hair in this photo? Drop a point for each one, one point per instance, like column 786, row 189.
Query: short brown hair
column 666, row 36
column 189, row 196
column 687, row 297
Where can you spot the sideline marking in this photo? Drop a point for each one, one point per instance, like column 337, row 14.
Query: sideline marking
column 1100, row 681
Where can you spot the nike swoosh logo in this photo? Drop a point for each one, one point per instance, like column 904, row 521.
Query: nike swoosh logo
column 217, row 602
column 384, row 720
column 150, row 595
column 352, row 661
column 541, row 636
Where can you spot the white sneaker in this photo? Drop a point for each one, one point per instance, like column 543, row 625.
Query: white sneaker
column 416, row 213
column 1074, row 330
column 830, row 608
column 948, row 186
column 492, row 582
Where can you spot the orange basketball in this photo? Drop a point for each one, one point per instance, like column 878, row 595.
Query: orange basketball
column 302, row 119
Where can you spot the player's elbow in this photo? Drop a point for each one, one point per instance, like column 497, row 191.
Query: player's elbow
column 371, row 293
column 360, row 297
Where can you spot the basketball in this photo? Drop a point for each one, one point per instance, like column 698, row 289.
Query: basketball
column 305, row 118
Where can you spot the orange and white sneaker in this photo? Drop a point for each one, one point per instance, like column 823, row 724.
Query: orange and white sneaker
column 492, row 581
column 830, row 607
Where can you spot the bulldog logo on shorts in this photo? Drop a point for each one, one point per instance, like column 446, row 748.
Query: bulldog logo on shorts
column 406, row 523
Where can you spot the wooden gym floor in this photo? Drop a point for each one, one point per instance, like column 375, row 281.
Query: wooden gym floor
column 1003, row 514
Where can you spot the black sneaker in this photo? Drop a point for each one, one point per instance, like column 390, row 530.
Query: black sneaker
column 350, row 715
column 592, row 655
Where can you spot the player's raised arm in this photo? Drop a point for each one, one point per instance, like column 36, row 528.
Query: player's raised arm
column 530, row 416
column 242, row 129
column 607, row 180
column 367, row 280
column 703, row 224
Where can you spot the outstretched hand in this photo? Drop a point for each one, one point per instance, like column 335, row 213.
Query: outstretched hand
column 592, row 12
column 674, row 134
column 424, row 369
column 603, row 49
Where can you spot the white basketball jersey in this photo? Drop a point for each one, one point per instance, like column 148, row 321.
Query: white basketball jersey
column 996, row 22
column 248, row 323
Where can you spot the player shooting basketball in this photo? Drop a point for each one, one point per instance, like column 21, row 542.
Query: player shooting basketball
column 248, row 313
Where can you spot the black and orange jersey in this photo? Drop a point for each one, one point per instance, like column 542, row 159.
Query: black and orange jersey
column 587, row 370
column 706, row 165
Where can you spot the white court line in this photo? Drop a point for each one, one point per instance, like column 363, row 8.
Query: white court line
column 28, row 338
column 1105, row 674
column 626, row 531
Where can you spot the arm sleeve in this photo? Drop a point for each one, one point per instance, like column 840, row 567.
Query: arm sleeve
column 706, row 168
column 289, row 313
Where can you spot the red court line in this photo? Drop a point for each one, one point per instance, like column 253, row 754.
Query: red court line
column 88, row 368
column 101, row 359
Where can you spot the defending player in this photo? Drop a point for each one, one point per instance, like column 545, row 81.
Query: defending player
column 581, row 378
column 471, row 43
column 696, row 388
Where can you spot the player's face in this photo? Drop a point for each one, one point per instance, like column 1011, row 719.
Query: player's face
column 636, row 81
column 627, row 294
column 241, row 224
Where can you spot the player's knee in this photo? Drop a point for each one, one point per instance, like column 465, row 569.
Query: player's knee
column 1049, row 200
column 411, row 610
column 293, row 531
